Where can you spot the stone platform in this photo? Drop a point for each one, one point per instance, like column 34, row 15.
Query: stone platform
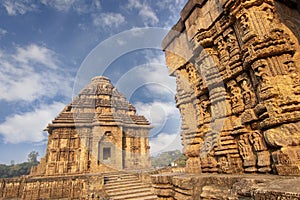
column 135, row 184
column 219, row 186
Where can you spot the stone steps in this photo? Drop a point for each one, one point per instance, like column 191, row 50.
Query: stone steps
column 125, row 192
column 127, row 186
column 134, row 196
column 130, row 185
column 120, row 177
column 121, row 182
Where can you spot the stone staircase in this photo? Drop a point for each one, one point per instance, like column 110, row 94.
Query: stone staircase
column 123, row 185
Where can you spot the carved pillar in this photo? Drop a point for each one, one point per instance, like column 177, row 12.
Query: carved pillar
column 185, row 99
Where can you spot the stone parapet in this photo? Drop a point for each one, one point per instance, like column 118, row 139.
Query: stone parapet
column 81, row 186
column 216, row 186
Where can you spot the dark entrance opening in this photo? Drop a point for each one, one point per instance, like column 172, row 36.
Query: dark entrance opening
column 106, row 153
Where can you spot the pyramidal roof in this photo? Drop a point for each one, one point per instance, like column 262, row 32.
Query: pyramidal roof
column 99, row 103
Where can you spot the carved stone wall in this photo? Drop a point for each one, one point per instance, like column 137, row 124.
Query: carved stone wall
column 58, row 187
column 237, row 69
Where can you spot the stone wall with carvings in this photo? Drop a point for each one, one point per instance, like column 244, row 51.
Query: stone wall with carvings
column 237, row 68
column 58, row 187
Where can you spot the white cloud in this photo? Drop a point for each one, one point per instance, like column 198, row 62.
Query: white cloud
column 15, row 7
column 121, row 42
column 149, row 15
column 153, row 76
column 173, row 7
column 134, row 4
column 32, row 73
column 157, row 112
column 2, row 32
column 61, row 5
column 157, row 72
column 28, row 127
column 36, row 54
column 20, row 7
column 165, row 142
column 108, row 20
column 87, row 6
column 145, row 11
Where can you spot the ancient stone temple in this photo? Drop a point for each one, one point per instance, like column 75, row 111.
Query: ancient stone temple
column 95, row 138
column 237, row 66
column 97, row 132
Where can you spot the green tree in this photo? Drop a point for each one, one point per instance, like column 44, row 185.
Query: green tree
column 181, row 161
column 15, row 170
column 165, row 159
column 32, row 157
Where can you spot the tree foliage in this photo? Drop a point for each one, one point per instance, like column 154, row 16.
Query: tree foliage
column 168, row 158
column 15, row 170
column 32, row 157
column 181, row 161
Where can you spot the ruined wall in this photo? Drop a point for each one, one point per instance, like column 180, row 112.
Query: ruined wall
column 237, row 69
column 59, row 187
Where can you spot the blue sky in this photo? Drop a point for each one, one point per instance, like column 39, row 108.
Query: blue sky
column 50, row 48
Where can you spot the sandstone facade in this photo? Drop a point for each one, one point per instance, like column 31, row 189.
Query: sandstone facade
column 237, row 69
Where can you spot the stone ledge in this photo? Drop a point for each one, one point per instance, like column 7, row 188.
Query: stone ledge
column 208, row 186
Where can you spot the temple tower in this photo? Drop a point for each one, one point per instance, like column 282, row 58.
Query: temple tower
column 98, row 131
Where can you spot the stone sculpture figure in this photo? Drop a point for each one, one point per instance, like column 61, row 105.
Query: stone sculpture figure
column 236, row 97
column 248, row 94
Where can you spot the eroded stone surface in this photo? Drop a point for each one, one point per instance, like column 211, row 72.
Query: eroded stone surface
column 218, row 186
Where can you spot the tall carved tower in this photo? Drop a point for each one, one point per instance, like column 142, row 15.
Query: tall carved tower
column 237, row 65
column 98, row 132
